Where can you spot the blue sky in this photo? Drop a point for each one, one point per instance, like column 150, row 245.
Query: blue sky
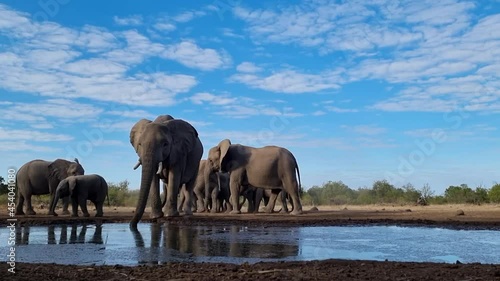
column 401, row 90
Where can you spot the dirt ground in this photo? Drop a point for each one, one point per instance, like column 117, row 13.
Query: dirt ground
column 474, row 217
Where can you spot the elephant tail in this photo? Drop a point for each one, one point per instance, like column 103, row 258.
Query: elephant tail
column 105, row 185
column 298, row 173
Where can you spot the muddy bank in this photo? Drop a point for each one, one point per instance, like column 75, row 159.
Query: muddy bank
column 313, row 270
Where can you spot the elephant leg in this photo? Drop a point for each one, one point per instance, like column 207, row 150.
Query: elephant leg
column 215, row 194
column 284, row 206
column 74, row 207
column 272, row 202
column 182, row 199
column 189, row 198
column 29, row 207
column 172, row 193
column 200, row 206
column 20, row 203
column 154, row 196
column 83, row 206
column 234, row 186
column 294, row 194
column 65, row 205
column 98, row 207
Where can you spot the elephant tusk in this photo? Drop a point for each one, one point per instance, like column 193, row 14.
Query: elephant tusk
column 160, row 168
column 138, row 164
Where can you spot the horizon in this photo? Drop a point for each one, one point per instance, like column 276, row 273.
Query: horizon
column 402, row 91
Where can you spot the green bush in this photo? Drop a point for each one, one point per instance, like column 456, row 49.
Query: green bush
column 494, row 193
column 118, row 193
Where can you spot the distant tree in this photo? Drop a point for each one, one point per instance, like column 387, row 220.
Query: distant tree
column 3, row 186
column 410, row 193
column 315, row 194
column 118, row 193
column 337, row 193
column 386, row 192
column 481, row 195
column 426, row 192
column 494, row 193
column 459, row 194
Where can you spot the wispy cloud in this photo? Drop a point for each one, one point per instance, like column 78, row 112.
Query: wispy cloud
column 130, row 20
column 288, row 81
column 191, row 55
column 248, row 67
column 370, row 130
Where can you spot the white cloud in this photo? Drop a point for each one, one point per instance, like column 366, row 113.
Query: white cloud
column 366, row 129
column 95, row 66
column 248, row 67
column 130, row 20
column 340, row 110
column 191, row 55
column 188, row 16
column 165, row 26
column 18, row 146
column 204, row 97
column 30, row 135
column 288, row 81
column 230, row 33
column 318, row 113
column 91, row 62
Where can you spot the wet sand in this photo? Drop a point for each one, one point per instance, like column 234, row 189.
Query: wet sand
column 475, row 217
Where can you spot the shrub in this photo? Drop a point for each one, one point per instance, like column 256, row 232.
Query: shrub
column 494, row 193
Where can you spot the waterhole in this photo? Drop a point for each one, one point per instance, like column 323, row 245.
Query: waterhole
column 115, row 243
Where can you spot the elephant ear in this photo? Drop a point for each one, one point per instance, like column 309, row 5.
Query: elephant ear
column 162, row 119
column 58, row 169
column 184, row 137
column 136, row 132
column 224, row 148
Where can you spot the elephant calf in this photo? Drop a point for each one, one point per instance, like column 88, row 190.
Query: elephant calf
column 80, row 189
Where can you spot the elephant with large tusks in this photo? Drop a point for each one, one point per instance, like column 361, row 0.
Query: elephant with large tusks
column 80, row 189
column 38, row 177
column 168, row 149
column 269, row 167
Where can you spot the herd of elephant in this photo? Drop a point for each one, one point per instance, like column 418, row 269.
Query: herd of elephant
column 170, row 151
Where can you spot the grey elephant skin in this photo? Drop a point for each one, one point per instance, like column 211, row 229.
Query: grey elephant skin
column 269, row 167
column 168, row 149
column 211, row 189
column 80, row 189
column 39, row 177
column 260, row 194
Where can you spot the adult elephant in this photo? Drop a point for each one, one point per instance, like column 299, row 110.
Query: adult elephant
column 169, row 149
column 38, row 177
column 269, row 167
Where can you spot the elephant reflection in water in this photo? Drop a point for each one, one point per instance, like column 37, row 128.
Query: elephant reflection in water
column 22, row 234
column 178, row 240
column 75, row 237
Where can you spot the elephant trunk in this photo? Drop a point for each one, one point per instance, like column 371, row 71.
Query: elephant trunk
column 148, row 172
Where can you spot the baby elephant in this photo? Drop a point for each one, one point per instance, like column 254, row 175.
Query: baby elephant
column 80, row 189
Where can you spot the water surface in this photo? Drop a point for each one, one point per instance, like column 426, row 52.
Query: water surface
column 115, row 243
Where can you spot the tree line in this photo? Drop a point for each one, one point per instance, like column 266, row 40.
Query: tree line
column 333, row 193
column 338, row 193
